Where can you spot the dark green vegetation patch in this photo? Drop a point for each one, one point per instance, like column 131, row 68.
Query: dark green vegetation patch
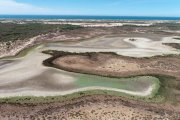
column 174, row 45
column 170, row 89
column 177, row 38
column 169, row 26
column 12, row 32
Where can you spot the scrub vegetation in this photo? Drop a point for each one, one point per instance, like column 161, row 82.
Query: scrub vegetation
column 169, row 26
column 13, row 32
column 170, row 89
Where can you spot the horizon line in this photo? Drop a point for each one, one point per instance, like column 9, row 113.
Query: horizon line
column 85, row 15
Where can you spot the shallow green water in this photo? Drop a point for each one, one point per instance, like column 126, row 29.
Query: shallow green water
column 131, row 84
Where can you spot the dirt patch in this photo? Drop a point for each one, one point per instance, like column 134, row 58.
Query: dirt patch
column 105, row 64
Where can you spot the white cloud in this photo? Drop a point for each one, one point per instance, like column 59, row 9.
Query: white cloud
column 13, row 7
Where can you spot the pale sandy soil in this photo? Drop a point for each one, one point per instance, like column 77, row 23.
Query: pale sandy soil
column 171, row 31
column 171, row 39
column 140, row 47
column 30, row 92
column 89, row 24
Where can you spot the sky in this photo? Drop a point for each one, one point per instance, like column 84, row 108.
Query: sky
column 91, row 7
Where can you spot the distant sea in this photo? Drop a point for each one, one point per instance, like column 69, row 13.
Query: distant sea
column 78, row 17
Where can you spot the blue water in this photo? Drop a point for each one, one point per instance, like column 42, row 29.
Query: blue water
column 77, row 17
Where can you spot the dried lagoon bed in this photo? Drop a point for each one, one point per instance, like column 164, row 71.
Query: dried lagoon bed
column 32, row 79
column 50, row 73
column 40, row 103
